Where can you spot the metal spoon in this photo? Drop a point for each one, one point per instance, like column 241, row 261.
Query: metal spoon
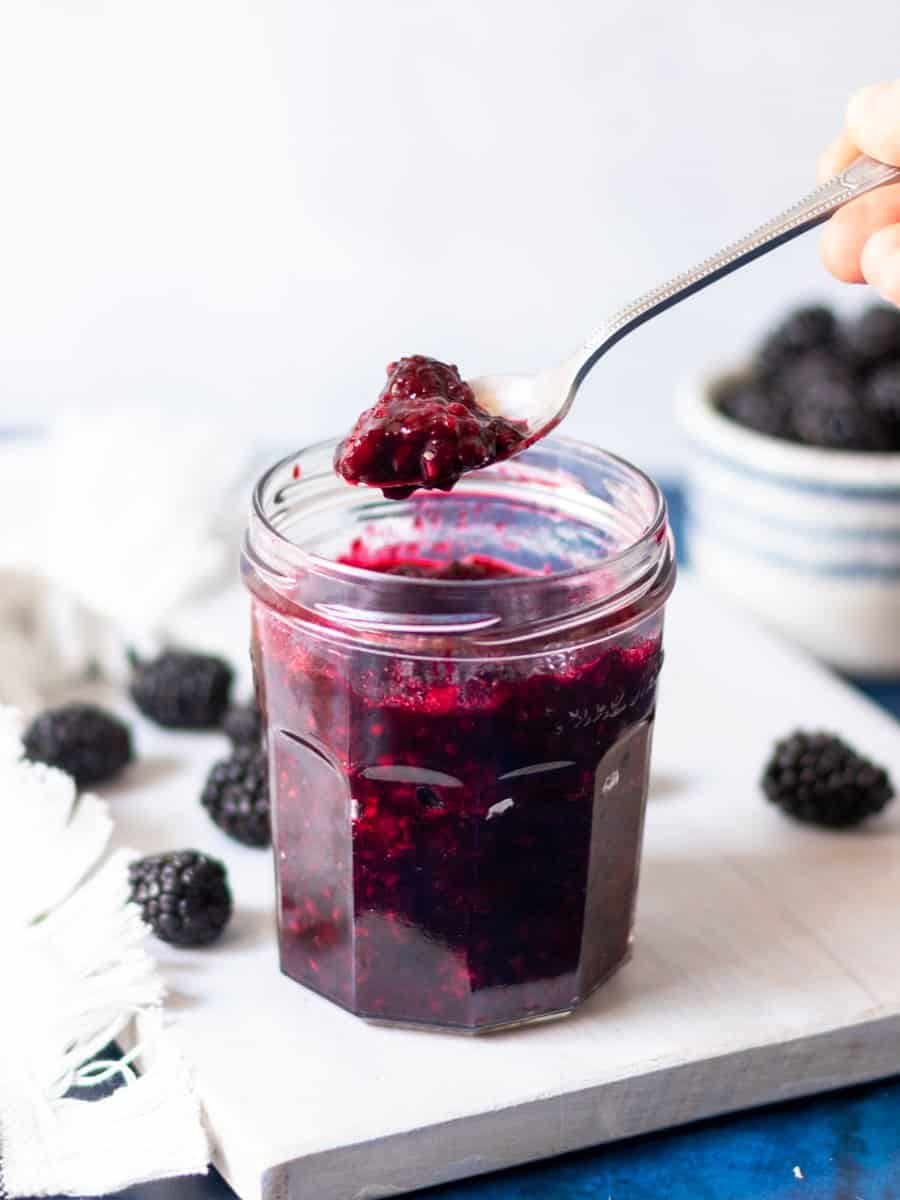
column 541, row 401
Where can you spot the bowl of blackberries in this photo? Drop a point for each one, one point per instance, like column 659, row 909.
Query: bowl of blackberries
column 793, row 498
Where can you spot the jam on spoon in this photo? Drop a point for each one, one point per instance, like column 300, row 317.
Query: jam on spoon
column 429, row 426
column 424, row 431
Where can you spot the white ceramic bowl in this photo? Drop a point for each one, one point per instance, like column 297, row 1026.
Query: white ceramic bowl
column 807, row 539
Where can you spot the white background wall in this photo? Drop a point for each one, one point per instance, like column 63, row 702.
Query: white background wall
column 253, row 206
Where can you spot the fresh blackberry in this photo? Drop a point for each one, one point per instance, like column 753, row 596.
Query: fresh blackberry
column 873, row 339
column 833, row 416
column 883, row 390
column 236, row 796
column 84, row 741
column 242, row 724
column 182, row 690
column 817, row 777
column 756, row 407
column 883, row 398
column 805, row 329
column 183, row 896
column 811, row 373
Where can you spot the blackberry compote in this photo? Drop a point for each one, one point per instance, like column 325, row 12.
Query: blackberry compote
column 459, row 695
column 424, row 431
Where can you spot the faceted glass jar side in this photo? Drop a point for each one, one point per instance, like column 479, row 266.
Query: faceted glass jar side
column 459, row 772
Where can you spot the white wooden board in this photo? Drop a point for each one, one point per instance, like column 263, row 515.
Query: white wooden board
column 766, row 961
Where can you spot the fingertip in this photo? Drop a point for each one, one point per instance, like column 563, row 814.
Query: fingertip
column 839, row 248
column 873, row 120
column 880, row 262
column 860, row 103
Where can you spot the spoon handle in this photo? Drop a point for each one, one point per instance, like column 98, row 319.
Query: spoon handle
column 862, row 175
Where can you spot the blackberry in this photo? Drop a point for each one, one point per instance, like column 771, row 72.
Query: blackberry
column 832, row 416
column 84, row 741
column 755, row 407
column 817, row 777
column 873, row 339
column 812, row 373
column 183, row 896
column 883, row 397
column 841, row 427
column 236, row 796
column 182, row 690
column 805, row 329
column 242, row 724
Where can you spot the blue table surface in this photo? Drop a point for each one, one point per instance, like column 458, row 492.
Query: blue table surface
column 841, row 1146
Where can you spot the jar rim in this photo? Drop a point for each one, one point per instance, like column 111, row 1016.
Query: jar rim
column 654, row 530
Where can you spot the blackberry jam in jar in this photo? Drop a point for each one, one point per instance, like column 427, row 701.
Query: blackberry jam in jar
column 459, row 694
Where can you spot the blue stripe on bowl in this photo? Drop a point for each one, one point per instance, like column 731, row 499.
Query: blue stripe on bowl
column 836, row 570
column 714, row 501
column 791, row 483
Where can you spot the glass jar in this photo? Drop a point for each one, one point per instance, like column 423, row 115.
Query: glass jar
column 458, row 767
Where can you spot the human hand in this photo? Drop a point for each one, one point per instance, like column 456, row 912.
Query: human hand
column 862, row 240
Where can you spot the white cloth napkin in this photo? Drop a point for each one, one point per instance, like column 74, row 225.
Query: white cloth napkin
column 76, row 977
column 115, row 526
column 115, row 523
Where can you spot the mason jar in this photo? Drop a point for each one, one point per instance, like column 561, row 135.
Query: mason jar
column 458, row 692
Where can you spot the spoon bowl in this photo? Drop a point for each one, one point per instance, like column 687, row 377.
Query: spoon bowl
column 530, row 402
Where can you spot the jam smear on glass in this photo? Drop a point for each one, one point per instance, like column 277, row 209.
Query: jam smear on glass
column 424, row 431
column 400, row 560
